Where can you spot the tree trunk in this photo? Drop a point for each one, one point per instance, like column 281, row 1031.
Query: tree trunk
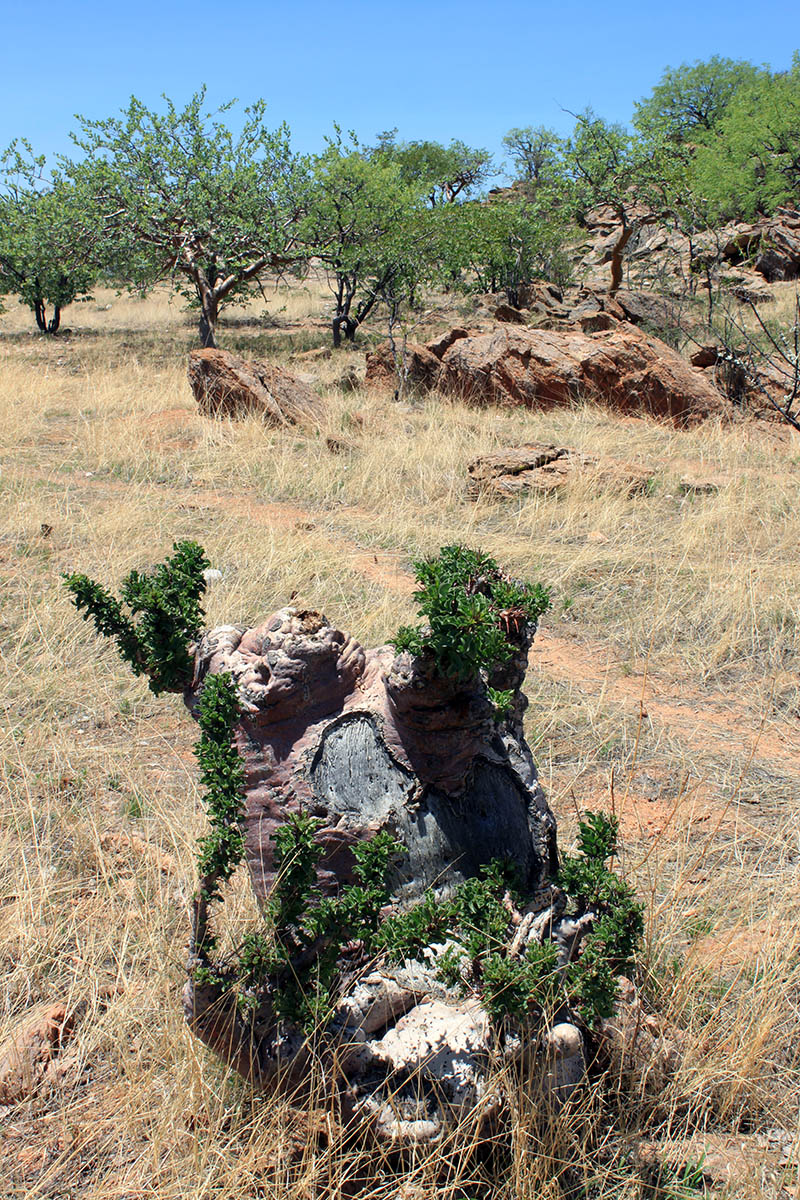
column 208, row 321
column 616, row 258
column 42, row 322
column 342, row 323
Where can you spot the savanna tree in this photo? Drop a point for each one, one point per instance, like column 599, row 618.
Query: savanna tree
column 610, row 168
column 506, row 242
column 443, row 174
column 689, row 101
column 752, row 164
column 186, row 199
column 48, row 245
column 355, row 208
column 535, row 153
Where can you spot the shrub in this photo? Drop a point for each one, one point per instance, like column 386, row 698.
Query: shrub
column 470, row 608
column 164, row 615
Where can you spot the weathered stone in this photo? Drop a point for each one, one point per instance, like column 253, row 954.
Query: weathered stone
column 420, row 363
column 705, row 356
column 441, row 344
column 596, row 322
column 368, row 741
column 648, row 308
column 321, row 716
column 511, row 316
column 623, row 369
column 772, row 243
column 227, row 386
column 31, row 1049
column 537, row 467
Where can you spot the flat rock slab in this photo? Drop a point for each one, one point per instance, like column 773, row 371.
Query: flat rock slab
column 541, row 467
column 227, row 386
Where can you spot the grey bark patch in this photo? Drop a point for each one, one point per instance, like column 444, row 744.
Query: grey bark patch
column 353, row 774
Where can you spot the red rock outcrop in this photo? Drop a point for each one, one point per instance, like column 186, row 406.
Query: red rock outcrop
column 227, row 386
column 621, row 368
column 772, row 242
column 421, row 365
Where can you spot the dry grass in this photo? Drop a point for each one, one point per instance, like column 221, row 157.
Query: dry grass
column 663, row 683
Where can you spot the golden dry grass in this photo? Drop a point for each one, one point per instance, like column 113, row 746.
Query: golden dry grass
column 664, row 682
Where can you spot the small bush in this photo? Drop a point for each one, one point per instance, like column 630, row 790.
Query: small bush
column 470, row 607
column 164, row 615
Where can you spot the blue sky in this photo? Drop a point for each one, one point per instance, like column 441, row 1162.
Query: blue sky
column 435, row 70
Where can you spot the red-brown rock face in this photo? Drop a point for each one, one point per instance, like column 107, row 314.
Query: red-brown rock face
column 622, row 368
column 367, row 741
column 227, row 386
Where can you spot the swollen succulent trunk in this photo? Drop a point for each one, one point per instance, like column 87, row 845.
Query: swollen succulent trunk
column 366, row 741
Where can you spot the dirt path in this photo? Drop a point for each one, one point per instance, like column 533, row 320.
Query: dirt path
column 700, row 719
column 705, row 720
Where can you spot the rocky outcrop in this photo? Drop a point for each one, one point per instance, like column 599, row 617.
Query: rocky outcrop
column 420, row 364
column 317, row 705
column 772, row 243
column 621, row 368
column 28, row 1056
column 227, row 386
column 540, row 467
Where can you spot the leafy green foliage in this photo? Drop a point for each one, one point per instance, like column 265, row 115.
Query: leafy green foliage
column 222, row 777
column 186, row 200
column 507, row 242
column 689, row 101
column 752, row 164
column 299, row 957
column 610, row 946
column 477, row 920
column 164, row 615
column 441, row 173
column 48, row 251
column 357, row 205
column 469, row 605
column 535, row 154
column 502, row 701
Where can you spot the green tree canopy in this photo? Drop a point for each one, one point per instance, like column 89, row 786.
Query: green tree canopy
column 535, row 153
column 689, row 101
column 47, row 245
column 506, row 242
column 357, row 205
column 443, row 174
column 186, row 199
column 753, row 162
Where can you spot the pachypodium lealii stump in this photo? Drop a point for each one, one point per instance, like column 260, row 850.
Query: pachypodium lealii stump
column 368, row 741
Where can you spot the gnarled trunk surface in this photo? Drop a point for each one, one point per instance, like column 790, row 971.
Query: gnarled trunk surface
column 370, row 741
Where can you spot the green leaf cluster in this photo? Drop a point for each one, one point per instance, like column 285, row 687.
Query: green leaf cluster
column 299, row 957
column 477, row 919
column 222, row 777
column 609, row 948
column 469, row 606
column 48, row 245
column 164, row 615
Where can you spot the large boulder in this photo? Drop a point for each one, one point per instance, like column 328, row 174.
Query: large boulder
column 227, row 386
column 420, row 364
column 773, row 244
column 621, row 368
